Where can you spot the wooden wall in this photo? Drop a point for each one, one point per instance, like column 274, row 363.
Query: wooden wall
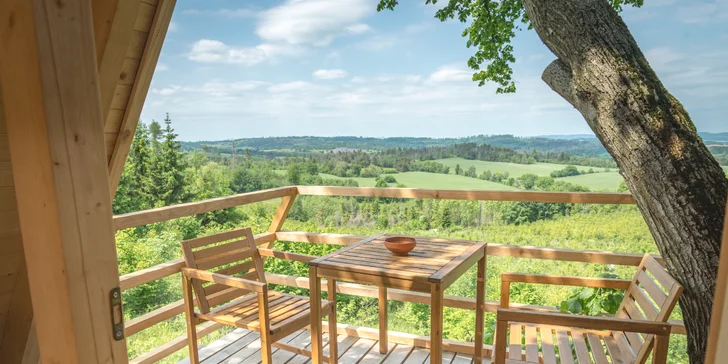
column 12, row 264
column 132, row 61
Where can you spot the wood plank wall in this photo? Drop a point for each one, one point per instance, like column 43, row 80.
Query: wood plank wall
column 128, row 74
column 11, row 246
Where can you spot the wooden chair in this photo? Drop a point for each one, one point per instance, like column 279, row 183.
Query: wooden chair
column 237, row 294
column 629, row 337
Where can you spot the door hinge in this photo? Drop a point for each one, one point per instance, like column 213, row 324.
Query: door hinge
column 117, row 316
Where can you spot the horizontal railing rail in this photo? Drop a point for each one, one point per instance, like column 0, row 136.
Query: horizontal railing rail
column 265, row 240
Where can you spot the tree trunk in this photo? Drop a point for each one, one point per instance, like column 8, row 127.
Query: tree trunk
column 679, row 187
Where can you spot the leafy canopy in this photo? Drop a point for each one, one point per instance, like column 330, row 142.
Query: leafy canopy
column 493, row 24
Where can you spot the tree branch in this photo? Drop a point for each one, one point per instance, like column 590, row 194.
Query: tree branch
column 558, row 76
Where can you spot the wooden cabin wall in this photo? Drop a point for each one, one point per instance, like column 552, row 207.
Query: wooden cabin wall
column 15, row 306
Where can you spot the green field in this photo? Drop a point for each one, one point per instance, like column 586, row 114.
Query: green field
column 433, row 180
column 605, row 181
column 514, row 170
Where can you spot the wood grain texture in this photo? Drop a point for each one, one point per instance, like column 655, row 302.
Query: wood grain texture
column 113, row 22
column 134, row 98
column 56, row 140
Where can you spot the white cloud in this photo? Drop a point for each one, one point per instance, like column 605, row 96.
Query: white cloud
column 703, row 12
column 167, row 91
column 451, row 73
column 162, row 67
column 215, row 51
column 696, row 76
column 407, row 101
column 313, row 22
column 358, row 28
column 329, row 74
column 377, row 43
column 290, row 87
column 173, row 27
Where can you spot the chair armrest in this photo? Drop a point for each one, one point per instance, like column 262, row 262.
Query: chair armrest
column 622, row 284
column 226, row 280
column 584, row 322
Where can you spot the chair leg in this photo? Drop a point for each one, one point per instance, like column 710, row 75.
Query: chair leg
column 333, row 343
column 499, row 344
column 662, row 344
column 266, row 348
column 191, row 321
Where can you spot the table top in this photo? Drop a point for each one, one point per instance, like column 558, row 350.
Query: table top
column 432, row 260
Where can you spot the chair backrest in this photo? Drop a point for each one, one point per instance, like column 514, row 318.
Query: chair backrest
column 233, row 253
column 651, row 296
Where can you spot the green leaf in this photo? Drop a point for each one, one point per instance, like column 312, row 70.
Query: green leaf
column 573, row 305
column 587, row 293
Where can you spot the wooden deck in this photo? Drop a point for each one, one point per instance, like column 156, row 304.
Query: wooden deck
column 243, row 347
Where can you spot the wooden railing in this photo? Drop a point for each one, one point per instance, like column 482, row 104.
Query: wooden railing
column 288, row 195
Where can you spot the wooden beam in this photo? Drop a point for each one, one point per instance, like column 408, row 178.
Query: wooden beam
column 49, row 78
column 718, row 337
column 471, row 195
column 113, row 26
column 152, row 49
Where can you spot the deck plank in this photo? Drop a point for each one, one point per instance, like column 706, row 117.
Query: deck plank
column 231, row 349
column 375, row 357
column 398, row 355
column 357, row 351
column 462, row 359
column 417, row 356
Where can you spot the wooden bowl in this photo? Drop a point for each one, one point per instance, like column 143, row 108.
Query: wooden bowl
column 400, row 245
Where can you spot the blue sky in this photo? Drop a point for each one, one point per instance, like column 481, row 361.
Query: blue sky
column 234, row 69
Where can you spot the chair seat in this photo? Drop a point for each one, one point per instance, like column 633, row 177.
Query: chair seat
column 566, row 343
column 285, row 310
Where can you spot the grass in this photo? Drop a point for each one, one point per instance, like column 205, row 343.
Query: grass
column 605, row 181
column 433, row 180
column 513, row 169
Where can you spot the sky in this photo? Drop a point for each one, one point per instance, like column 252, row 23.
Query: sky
column 261, row 68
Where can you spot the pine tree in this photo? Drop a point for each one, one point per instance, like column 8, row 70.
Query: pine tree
column 167, row 168
column 133, row 193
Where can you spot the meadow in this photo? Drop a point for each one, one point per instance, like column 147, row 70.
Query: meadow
column 432, row 180
column 513, row 169
column 604, row 181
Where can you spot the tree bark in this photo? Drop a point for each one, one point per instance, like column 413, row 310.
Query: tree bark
column 679, row 187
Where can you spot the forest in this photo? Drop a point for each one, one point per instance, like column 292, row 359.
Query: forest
column 159, row 173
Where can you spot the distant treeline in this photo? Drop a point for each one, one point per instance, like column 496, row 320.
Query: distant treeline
column 579, row 147
column 490, row 153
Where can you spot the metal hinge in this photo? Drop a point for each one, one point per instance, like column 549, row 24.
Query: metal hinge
column 117, row 316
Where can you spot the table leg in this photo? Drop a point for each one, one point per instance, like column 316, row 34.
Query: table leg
column 383, row 333
column 436, row 295
column 333, row 345
column 479, row 311
column 316, row 329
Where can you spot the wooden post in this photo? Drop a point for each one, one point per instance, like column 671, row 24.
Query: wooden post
column 718, row 338
column 316, row 329
column 436, row 295
column 383, row 334
column 333, row 345
column 49, row 78
column 479, row 310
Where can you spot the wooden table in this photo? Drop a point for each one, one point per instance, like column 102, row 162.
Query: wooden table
column 431, row 267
